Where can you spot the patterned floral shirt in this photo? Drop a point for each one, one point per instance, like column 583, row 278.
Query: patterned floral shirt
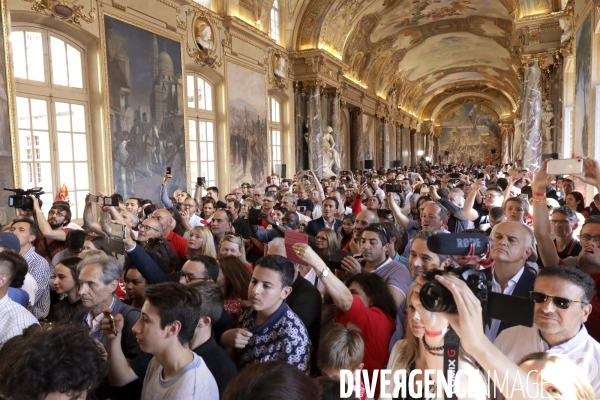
column 282, row 337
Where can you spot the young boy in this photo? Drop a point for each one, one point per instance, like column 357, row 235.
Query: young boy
column 342, row 348
column 269, row 329
column 168, row 322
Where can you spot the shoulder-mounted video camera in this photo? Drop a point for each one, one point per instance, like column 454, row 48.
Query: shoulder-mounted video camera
column 22, row 200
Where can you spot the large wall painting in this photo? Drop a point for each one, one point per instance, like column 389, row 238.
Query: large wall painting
column 6, row 162
column 582, row 87
column 146, row 100
column 247, row 94
column 469, row 133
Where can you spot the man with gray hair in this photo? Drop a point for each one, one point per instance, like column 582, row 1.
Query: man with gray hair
column 98, row 281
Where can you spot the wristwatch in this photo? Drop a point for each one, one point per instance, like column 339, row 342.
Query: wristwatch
column 324, row 273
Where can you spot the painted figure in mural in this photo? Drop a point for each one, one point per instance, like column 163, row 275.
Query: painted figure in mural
column 567, row 27
column 150, row 138
column 204, row 39
column 331, row 158
column 547, row 116
column 126, row 175
column 280, row 69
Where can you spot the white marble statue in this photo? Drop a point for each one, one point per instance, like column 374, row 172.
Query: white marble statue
column 280, row 69
column 331, row 158
column 518, row 138
column 547, row 116
column 567, row 27
column 204, row 39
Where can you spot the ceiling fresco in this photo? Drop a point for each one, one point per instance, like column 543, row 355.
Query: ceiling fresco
column 423, row 51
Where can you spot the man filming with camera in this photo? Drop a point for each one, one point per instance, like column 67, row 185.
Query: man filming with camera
column 52, row 231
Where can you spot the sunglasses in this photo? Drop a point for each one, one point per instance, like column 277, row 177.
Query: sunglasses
column 559, row 302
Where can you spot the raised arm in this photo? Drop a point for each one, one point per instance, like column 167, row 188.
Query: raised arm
column 541, row 222
column 318, row 185
column 469, row 201
column 338, row 291
column 88, row 218
column 43, row 224
column 164, row 196
column 402, row 219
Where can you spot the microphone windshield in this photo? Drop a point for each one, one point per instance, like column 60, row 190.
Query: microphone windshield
column 458, row 244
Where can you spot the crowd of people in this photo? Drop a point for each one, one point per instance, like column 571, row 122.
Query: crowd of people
column 272, row 291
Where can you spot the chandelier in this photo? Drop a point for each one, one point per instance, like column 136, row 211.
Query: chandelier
column 66, row 10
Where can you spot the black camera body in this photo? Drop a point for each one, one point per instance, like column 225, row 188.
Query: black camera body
column 22, row 200
column 435, row 297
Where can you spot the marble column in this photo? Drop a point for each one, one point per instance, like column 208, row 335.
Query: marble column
column 357, row 139
column 437, row 135
column 386, row 143
column 414, row 147
column 531, row 104
column 556, row 96
column 427, row 144
column 315, row 133
column 505, row 135
column 333, row 120
column 398, row 132
column 300, row 118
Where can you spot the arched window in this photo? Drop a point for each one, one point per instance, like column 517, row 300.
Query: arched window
column 274, row 31
column 275, row 118
column 52, row 113
column 201, row 123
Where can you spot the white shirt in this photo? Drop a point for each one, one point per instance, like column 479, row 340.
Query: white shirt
column 492, row 332
column 303, row 218
column 96, row 323
column 582, row 349
column 31, row 287
column 14, row 319
column 195, row 221
column 317, row 212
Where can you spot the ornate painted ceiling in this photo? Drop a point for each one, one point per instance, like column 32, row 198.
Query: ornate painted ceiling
column 420, row 54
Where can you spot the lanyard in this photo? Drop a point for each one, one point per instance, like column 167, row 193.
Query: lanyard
column 451, row 348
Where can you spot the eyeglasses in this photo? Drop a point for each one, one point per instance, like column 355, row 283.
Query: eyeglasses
column 559, row 302
column 586, row 238
column 559, row 221
column 320, row 238
column 58, row 214
column 145, row 227
column 491, row 196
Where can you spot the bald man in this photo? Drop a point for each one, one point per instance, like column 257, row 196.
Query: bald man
column 178, row 243
column 513, row 244
column 363, row 219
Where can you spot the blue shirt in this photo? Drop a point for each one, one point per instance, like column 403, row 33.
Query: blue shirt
column 282, row 337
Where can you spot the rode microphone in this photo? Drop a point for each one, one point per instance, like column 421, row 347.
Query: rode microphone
column 459, row 244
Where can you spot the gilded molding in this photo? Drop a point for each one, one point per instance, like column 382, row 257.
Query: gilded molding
column 539, row 57
column 16, row 158
column 204, row 58
column 272, row 56
column 119, row 6
column 65, row 10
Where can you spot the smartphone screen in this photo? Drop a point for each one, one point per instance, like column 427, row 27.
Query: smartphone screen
column 169, row 170
column 93, row 198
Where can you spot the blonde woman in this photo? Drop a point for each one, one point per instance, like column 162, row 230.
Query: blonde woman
column 562, row 378
column 201, row 242
column 232, row 244
column 411, row 354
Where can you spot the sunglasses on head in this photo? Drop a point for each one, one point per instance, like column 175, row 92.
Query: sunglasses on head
column 559, row 302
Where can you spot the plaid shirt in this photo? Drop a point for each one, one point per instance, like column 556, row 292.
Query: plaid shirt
column 14, row 318
column 40, row 270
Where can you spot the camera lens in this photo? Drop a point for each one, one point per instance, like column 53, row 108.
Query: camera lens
column 436, row 298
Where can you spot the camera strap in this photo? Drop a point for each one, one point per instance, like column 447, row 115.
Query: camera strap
column 451, row 349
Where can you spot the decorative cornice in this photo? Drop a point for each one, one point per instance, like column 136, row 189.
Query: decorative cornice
column 539, row 57
column 65, row 10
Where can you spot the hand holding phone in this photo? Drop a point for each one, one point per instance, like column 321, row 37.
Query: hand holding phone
column 93, row 198
column 571, row 166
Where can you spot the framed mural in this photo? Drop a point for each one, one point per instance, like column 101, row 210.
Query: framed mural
column 248, row 141
column 582, row 87
column 8, row 160
column 469, row 133
column 146, row 98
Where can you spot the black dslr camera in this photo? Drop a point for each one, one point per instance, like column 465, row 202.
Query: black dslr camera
column 22, row 200
column 435, row 297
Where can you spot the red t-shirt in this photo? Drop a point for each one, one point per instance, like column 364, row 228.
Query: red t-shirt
column 178, row 244
column 376, row 328
column 54, row 246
